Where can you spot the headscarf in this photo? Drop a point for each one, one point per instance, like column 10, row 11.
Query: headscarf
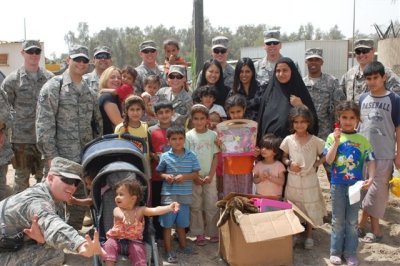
column 275, row 103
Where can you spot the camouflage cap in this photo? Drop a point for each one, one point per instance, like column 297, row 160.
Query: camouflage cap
column 29, row 44
column 314, row 53
column 220, row 41
column 79, row 51
column 272, row 36
column 102, row 49
column 66, row 168
column 149, row 44
column 177, row 69
column 364, row 43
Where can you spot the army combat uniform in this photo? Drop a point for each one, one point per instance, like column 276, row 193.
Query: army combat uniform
column 92, row 80
column 6, row 152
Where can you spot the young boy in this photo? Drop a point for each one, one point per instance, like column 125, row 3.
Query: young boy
column 151, row 86
column 178, row 168
column 201, row 141
column 208, row 94
column 380, row 116
column 158, row 144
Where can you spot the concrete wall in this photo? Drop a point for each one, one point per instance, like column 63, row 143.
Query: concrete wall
column 389, row 53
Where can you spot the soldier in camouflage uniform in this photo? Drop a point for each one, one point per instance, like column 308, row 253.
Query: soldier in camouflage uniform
column 6, row 152
column 66, row 111
column 220, row 52
column 102, row 61
column 40, row 208
column 149, row 66
column 22, row 87
column 353, row 82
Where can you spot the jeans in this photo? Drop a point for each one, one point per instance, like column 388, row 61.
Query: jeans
column 344, row 237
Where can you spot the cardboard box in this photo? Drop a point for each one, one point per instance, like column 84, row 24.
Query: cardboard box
column 260, row 238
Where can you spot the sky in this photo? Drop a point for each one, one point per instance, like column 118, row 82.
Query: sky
column 49, row 21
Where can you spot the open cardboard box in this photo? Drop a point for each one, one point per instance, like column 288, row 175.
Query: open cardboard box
column 260, row 238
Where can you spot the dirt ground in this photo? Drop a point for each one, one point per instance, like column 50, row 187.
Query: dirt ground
column 385, row 253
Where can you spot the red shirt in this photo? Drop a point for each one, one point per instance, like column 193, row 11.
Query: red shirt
column 159, row 144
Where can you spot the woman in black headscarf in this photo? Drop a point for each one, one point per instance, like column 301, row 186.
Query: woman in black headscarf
column 286, row 90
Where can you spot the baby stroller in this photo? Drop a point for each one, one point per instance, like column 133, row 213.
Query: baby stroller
column 110, row 159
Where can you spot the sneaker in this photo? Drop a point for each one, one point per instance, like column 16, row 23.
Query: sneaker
column 200, row 240
column 170, row 257
column 309, row 243
column 351, row 260
column 335, row 260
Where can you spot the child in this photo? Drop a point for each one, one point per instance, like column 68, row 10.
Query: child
column 178, row 167
column 158, row 144
column 133, row 111
column 208, row 94
column 129, row 222
column 238, row 170
column 181, row 100
column 301, row 152
column 380, row 116
column 346, row 152
column 171, row 51
column 201, row 141
column 269, row 173
column 151, row 85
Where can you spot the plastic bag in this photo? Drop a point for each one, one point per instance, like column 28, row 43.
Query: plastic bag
column 395, row 183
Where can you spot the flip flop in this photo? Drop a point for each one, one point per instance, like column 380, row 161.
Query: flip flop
column 371, row 238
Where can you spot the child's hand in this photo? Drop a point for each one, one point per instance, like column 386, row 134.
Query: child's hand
column 218, row 142
column 179, row 178
column 265, row 176
column 207, row 180
column 170, row 179
column 295, row 101
column 336, row 135
column 367, row 183
column 146, row 97
column 295, row 167
column 198, row 181
column 71, row 201
column 174, row 207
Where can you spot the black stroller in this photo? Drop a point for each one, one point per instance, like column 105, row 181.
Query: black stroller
column 110, row 159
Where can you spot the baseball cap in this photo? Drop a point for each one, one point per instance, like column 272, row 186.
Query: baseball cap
column 147, row 45
column 102, row 49
column 177, row 69
column 314, row 53
column 29, row 44
column 79, row 50
column 364, row 43
column 220, row 41
column 272, row 36
column 66, row 168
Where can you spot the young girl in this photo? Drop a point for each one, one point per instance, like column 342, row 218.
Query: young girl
column 269, row 173
column 302, row 155
column 129, row 222
column 347, row 152
column 151, row 86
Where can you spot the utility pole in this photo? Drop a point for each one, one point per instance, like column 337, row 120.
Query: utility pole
column 198, row 34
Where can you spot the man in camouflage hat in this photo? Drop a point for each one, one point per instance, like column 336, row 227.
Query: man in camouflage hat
column 67, row 110
column 353, row 82
column 6, row 152
column 39, row 213
column 148, row 53
column 22, row 87
column 102, row 61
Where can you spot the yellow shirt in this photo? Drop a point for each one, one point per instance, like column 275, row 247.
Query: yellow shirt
column 140, row 132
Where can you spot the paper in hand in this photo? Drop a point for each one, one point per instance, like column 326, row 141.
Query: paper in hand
column 354, row 192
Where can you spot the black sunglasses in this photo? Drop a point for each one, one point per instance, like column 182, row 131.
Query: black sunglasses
column 69, row 181
column 146, row 51
column 219, row 50
column 362, row 51
column 81, row 59
column 172, row 76
column 34, row 51
column 272, row 43
column 102, row 56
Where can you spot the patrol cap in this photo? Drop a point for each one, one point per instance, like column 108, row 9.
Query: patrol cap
column 314, row 53
column 149, row 44
column 66, row 168
column 364, row 43
column 177, row 69
column 272, row 36
column 102, row 49
column 78, row 51
column 29, row 44
column 220, row 41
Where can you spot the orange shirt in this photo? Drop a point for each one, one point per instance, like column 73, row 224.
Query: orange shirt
column 238, row 165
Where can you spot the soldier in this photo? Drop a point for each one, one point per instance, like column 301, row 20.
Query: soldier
column 67, row 110
column 148, row 53
column 353, row 82
column 220, row 52
column 102, row 60
column 22, row 87
column 6, row 152
column 43, row 204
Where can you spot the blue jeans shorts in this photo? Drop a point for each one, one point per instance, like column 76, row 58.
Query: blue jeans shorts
column 181, row 218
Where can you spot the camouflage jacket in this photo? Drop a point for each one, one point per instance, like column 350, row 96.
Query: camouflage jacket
column 353, row 82
column 6, row 152
column 326, row 95
column 38, row 199
column 92, row 80
column 22, row 92
column 64, row 118
column 264, row 70
column 228, row 75
column 144, row 71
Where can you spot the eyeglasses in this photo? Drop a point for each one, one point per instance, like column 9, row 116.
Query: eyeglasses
column 272, row 43
column 69, row 181
column 172, row 76
column 362, row 51
column 219, row 50
column 34, row 51
column 81, row 59
column 146, row 51
column 102, row 56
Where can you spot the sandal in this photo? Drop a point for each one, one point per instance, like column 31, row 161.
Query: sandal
column 372, row 238
column 361, row 232
column 336, row 260
column 201, row 240
column 170, row 257
column 351, row 260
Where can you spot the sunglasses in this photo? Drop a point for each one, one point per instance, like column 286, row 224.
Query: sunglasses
column 272, row 43
column 172, row 76
column 219, row 50
column 34, row 51
column 81, row 59
column 146, row 51
column 102, row 56
column 69, row 181
column 362, row 51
